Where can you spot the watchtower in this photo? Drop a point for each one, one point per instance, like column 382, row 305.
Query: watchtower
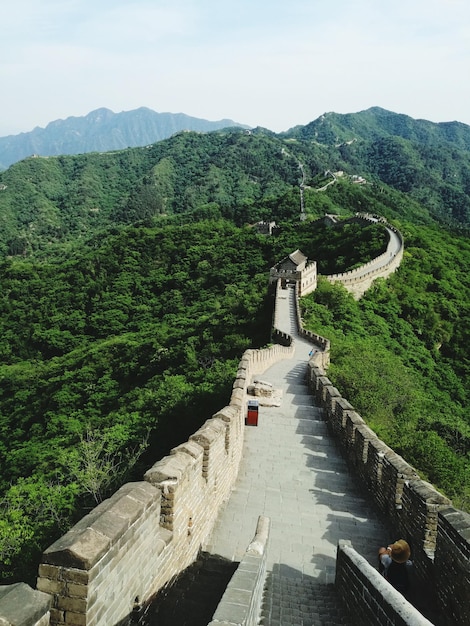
column 295, row 268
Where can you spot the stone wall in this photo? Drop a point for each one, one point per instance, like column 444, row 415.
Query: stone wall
column 23, row 606
column 101, row 567
column 308, row 279
column 359, row 280
column 452, row 565
column 241, row 602
column 133, row 544
column 438, row 534
column 369, row 598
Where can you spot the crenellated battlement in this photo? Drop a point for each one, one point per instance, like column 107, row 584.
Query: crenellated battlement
column 438, row 533
column 359, row 280
column 133, row 544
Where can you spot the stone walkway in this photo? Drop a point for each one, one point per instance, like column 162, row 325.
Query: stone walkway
column 292, row 472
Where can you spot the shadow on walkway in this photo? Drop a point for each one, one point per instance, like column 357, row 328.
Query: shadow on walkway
column 293, row 599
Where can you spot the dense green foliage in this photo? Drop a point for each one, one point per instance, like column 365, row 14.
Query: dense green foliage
column 227, row 174
column 345, row 245
column 374, row 123
column 130, row 343
column 430, row 162
column 400, row 355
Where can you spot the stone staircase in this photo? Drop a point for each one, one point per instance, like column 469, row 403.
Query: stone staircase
column 294, row 601
column 289, row 600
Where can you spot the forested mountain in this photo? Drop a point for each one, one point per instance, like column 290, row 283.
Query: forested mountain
column 239, row 174
column 376, row 123
column 100, row 131
column 132, row 281
column 428, row 161
column 119, row 346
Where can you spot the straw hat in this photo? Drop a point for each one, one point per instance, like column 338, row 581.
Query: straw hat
column 400, row 551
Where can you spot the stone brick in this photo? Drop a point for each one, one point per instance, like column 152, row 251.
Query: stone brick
column 49, row 571
column 75, row 619
column 77, row 605
column 50, row 586
column 78, row 576
column 77, row 591
column 57, row 617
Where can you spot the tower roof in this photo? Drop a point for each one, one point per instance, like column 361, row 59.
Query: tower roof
column 298, row 257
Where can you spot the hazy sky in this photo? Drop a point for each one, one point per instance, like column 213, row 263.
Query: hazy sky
column 275, row 63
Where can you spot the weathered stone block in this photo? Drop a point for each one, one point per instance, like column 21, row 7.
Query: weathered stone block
column 51, row 586
column 170, row 468
column 77, row 591
column 57, row 617
column 212, row 430
column 75, row 619
column 77, row 576
column 76, row 605
column 19, row 604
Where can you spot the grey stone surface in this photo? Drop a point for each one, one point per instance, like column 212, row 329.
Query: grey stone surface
column 292, row 472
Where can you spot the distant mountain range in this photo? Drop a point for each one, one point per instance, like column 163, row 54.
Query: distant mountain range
column 102, row 131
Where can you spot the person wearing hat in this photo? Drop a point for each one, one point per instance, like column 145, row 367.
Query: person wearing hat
column 394, row 564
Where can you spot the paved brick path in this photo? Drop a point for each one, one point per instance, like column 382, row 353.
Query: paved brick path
column 292, row 472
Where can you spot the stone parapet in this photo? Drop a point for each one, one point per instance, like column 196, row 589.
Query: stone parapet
column 395, row 471
column 438, row 535
column 22, row 606
column 452, row 566
column 338, row 410
column 241, row 603
column 100, row 571
column 359, row 280
column 364, row 440
column 93, row 562
column 352, row 421
column 367, row 597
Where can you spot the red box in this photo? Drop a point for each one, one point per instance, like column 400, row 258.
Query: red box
column 252, row 413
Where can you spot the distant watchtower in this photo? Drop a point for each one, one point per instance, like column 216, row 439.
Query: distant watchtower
column 295, row 268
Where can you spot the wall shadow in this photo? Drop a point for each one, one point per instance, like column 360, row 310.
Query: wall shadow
column 192, row 598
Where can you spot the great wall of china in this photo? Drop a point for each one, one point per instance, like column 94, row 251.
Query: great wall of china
column 136, row 542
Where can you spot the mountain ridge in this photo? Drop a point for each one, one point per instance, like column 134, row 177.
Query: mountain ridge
column 102, row 130
column 375, row 122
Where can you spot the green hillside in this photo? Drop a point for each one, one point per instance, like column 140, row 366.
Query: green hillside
column 376, row 123
column 428, row 161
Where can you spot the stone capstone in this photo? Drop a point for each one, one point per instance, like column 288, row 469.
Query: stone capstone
column 20, row 605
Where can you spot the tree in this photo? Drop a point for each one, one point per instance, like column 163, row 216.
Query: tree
column 98, row 462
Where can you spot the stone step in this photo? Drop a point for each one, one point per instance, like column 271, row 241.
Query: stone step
column 295, row 601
